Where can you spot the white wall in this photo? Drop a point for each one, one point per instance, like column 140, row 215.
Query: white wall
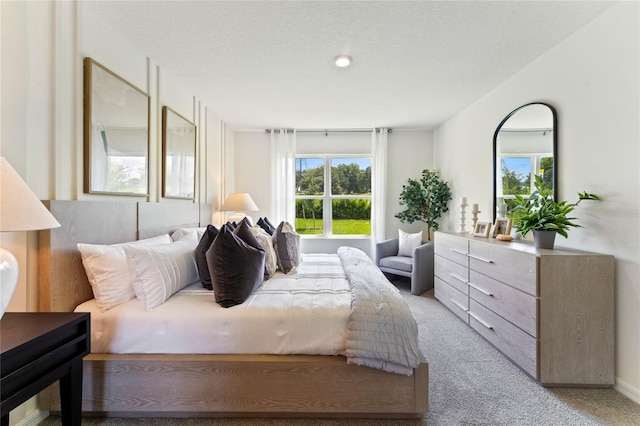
column 592, row 79
column 43, row 46
column 409, row 152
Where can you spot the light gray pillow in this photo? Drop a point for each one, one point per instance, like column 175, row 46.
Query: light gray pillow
column 286, row 241
column 271, row 259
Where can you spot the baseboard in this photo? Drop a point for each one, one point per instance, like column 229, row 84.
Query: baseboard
column 627, row 390
column 34, row 418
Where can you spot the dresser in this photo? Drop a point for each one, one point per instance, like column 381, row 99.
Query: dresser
column 550, row 311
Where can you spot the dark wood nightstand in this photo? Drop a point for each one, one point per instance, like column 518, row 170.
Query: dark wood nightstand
column 37, row 350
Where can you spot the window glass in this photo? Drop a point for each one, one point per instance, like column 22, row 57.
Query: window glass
column 350, row 176
column 516, row 175
column 351, row 216
column 309, row 176
column 309, row 216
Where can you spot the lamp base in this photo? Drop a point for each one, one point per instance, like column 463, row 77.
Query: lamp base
column 238, row 217
column 8, row 278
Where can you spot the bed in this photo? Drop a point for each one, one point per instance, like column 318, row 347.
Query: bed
column 202, row 385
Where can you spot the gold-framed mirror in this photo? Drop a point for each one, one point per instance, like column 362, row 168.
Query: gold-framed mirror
column 116, row 134
column 178, row 155
column 525, row 144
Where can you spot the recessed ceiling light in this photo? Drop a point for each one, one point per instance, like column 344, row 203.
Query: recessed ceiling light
column 342, row 60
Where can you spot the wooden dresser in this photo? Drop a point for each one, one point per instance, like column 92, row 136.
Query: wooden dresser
column 550, row 311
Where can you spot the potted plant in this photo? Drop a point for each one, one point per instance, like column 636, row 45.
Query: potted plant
column 426, row 200
column 545, row 217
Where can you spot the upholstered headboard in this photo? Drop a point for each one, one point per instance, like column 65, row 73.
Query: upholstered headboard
column 63, row 283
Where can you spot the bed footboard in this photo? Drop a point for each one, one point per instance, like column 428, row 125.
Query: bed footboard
column 246, row 386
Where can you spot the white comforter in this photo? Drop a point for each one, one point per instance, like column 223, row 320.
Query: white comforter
column 305, row 312
column 382, row 332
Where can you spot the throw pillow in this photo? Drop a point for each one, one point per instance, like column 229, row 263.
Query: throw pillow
column 181, row 232
column 264, row 224
column 236, row 267
column 407, row 242
column 108, row 272
column 287, row 244
column 271, row 260
column 160, row 271
column 210, row 234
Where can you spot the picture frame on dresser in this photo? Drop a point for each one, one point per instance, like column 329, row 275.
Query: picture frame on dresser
column 502, row 226
column 178, row 155
column 482, row 229
column 116, row 134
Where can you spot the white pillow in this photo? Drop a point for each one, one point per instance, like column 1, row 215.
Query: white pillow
column 179, row 233
column 270, row 259
column 407, row 242
column 158, row 272
column 108, row 272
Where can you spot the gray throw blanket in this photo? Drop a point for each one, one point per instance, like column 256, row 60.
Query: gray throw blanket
column 382, row 332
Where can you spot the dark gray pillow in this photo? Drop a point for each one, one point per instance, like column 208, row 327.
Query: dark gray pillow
column 287, row 244
column 264, row 224
column 236, row 267
column 208, row 236
column 271, row 225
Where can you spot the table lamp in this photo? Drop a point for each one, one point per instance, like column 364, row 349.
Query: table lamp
column 20, row 210
column 239, row 203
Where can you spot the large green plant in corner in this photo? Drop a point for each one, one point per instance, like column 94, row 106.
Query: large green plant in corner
column 539, row 212
column 426, row 200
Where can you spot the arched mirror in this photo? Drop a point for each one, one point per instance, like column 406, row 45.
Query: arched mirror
column 524, row 145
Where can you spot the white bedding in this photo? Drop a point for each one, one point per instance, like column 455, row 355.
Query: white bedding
column 315, row 298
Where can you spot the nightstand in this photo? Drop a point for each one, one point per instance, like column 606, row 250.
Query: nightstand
column 38, row 349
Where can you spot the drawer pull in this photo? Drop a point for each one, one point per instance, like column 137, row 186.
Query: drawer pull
column 480, row 289
column 458, row 304
column 482, row 259
column 481, row 321
column 458, row 277
column 464, row 253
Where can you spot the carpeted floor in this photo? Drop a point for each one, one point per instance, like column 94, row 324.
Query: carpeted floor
column 470, row 383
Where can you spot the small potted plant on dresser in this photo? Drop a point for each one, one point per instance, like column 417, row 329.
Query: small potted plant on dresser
column 545, row 217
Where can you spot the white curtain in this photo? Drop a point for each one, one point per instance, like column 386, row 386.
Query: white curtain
column 283, row 181
column 378, row 186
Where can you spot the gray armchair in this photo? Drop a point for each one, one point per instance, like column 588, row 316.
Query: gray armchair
column 419, row 267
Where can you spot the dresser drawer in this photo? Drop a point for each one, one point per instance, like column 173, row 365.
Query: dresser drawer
column 513, row 305
column 516, row 268
column 457, row 302
column 512, row 341
column 452, row 247
column 452, row 273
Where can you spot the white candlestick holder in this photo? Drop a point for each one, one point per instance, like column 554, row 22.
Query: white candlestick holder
column 475, row 220
column 462, row 229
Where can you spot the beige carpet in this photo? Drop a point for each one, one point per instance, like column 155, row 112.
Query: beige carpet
column 470, row 383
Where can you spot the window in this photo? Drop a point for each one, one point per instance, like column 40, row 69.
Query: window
column 333, row 195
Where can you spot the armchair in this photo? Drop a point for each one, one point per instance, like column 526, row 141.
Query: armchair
column 419, row 267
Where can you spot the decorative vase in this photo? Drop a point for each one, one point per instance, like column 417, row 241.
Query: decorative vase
column 544, row 239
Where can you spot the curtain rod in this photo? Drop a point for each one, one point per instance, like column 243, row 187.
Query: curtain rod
column 527, row 130
column 268, row 131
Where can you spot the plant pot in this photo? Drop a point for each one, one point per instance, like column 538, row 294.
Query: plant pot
column 544, row 239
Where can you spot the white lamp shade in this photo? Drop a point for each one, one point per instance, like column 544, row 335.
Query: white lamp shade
column 20, row 208
column 239, row 202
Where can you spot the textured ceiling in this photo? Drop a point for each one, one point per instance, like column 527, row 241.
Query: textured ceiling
column 416, row 64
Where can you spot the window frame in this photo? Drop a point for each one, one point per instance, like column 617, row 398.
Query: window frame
column 327, row 197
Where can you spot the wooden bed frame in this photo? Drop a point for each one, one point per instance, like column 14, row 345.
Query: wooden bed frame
column 202, row 385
